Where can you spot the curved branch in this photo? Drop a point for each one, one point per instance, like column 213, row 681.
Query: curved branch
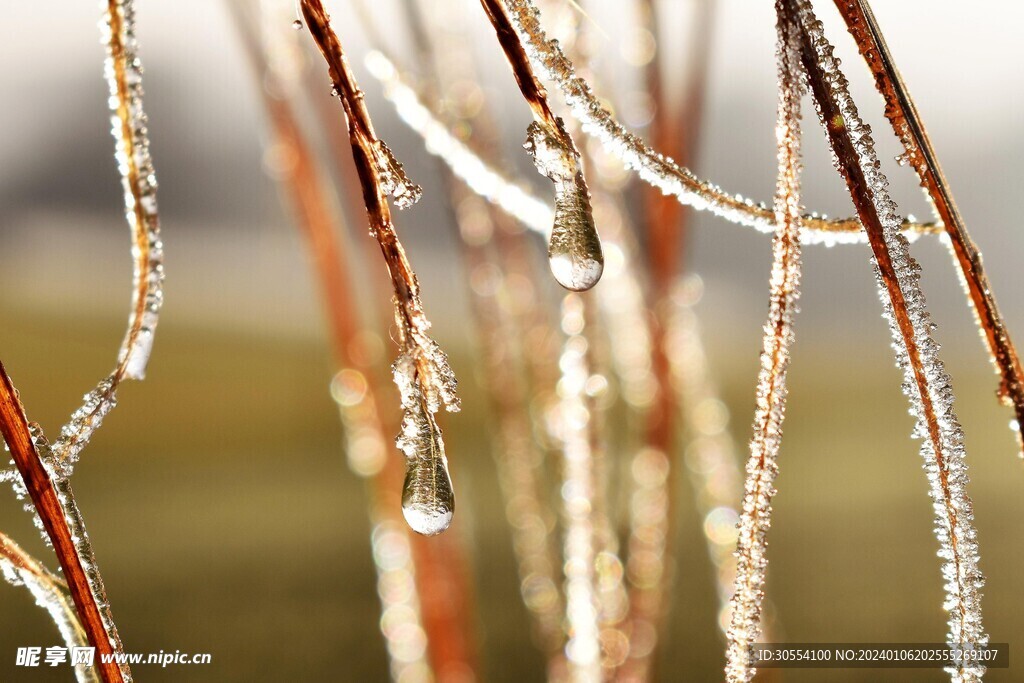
column 908, row 126
column 51, row 593
column 124, row 77
column 70, row 546
column 658, row 170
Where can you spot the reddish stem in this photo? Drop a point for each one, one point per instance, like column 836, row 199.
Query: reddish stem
column 15, row 429
column 906, row 122
column 849, row 166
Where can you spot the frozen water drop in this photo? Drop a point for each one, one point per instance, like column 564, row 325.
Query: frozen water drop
column 427, row 498
column 575, row 267
column 574, row 250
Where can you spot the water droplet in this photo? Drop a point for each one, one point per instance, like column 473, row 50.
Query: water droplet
column 574, row 250
column 297, row 24
column 427, row 498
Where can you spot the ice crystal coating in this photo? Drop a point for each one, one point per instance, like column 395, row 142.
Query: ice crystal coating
column 547, row 58
column 926, row 383
column 574, row 249
column 123, row 70
column 393, row 179
column 762, row 467
column 50, row 593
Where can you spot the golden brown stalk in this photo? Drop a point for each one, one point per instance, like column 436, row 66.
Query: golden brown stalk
column 926, row 384
column 908, row 126
column 47, row 502
column 124, row 77
column 369, row 153
column 441, row 585
column 421, row 372
column 762, row 465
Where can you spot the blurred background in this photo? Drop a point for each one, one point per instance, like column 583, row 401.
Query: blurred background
column 222, row 512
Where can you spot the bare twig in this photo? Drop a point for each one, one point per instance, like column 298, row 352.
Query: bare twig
column 907, row 123
column 422, row 371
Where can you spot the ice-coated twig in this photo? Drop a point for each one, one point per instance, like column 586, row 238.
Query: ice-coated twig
column 533, row 213
column 353, row 388
column 574, row 248
column 51, row 593
column 918, row 151
column 762, row 466
column 498, row 271
column 55, row 505
column 548, row 59
column 129, row 127
column 422, row 372
column 926, row 383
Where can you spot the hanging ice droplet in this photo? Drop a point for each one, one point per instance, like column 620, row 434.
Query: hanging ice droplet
column 428, row 502
column 574, row 249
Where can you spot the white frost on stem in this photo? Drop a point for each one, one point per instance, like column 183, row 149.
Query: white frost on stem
column 50, row 593
column 926, row 383
column 547, row 58
column 752, row 543
column 123, row 70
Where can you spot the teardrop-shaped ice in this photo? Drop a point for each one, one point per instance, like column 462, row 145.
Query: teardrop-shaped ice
column 428, row 501
column 574, row 249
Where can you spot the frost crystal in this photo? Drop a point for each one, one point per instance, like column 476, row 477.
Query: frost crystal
column 50, row 593
column 926, row 383
column 752, row 542
column 547, row 58
column 123, row 71
column 393, row 179
column 574, row 249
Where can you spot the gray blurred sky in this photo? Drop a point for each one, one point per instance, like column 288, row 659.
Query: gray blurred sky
column 232, row 259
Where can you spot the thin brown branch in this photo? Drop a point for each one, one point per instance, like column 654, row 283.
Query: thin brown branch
column 15, row 429
column 442, row 587
column 533, row 91
column 20, row 559
column 927, row 385
column 366, row 152
column 907, row 123
column 123, row 72
column 422, row 371
column 143, row 222
column 574, row 248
